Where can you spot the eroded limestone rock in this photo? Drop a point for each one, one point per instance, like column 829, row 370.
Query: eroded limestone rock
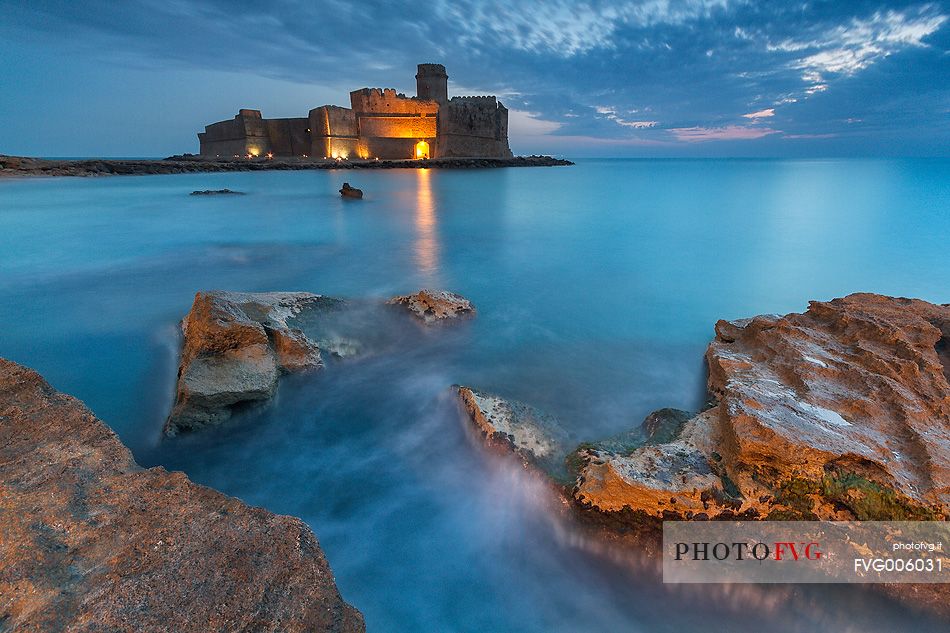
column 236, row 346
column 91, row 541
column 435, row 305
column 841, row 412
column 537, row 438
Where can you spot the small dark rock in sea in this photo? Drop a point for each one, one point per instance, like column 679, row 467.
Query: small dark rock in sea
column 217, row 192
column 350, row 192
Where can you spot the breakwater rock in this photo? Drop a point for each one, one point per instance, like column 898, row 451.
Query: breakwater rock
column 92, row 541
column 435, row 305
column 16, row 166
column 236, row 346
column 842, row 412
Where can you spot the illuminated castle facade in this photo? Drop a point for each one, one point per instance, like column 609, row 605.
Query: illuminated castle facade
column 378, row 124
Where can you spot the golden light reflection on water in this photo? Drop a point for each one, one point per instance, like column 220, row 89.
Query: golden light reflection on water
column 426, row 248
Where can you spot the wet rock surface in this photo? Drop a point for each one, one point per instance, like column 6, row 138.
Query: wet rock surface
column 534, row 436
column 236, row 347
column 93, row 542
column 435, row 305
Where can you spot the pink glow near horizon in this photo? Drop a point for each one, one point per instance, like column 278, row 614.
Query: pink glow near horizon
column 727, row 133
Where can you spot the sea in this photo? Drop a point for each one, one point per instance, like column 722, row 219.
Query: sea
column 597, row 287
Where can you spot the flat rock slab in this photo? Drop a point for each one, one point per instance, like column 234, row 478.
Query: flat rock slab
column 93, row 542
column 432, row 306
column 217, row 192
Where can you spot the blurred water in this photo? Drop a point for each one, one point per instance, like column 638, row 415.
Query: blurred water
column 597, row 288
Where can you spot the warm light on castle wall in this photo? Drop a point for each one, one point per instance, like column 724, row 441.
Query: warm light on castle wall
column 422, row 149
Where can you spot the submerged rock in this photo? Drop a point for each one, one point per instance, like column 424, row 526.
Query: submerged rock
column 842, row 412
column 91, row 541
column 217, row 192
column 435, row 305
column 537, row 438
column 236, row 346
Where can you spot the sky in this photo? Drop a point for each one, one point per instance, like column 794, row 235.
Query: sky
column 660, row 78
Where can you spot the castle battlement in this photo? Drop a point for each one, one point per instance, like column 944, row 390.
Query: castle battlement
column 380, row 123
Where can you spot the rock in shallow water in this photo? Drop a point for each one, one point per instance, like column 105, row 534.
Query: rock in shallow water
column 91, row 541
column 841, row 412
column 217, row 192
column 435, row 305
column 236, row 346
column 534, row 436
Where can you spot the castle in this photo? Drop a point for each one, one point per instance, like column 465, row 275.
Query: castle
column 378, row 124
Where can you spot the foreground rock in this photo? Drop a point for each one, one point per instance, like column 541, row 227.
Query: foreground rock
column 16, row 166
column 842, row 412
column 236, row 347
column 435, row 305
column 91, row 541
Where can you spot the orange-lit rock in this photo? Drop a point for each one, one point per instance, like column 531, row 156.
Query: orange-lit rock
column 840, row 412
column 435, row 305
column 236, row 347
column 93, row 542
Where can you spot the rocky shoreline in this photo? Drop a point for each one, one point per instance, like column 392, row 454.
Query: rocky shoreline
column 17, row 166
column 840, row 413
column 92, row 541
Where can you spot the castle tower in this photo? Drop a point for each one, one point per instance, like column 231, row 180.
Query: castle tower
column 432, row 83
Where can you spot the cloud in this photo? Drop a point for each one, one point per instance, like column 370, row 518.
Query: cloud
column 809, row 136
column 610, row 114
column 852, row 47
column 564, row 28
column 638, row 125
column 726, row 133
column 811, row 65
column 530, row 124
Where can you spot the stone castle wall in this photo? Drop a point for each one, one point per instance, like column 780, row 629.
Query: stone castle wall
column 333, row 132
column 380, row 123
column 289, row 137
column 473, row 126
column 245, row 133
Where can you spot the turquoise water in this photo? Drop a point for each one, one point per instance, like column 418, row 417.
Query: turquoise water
column 597, row 287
